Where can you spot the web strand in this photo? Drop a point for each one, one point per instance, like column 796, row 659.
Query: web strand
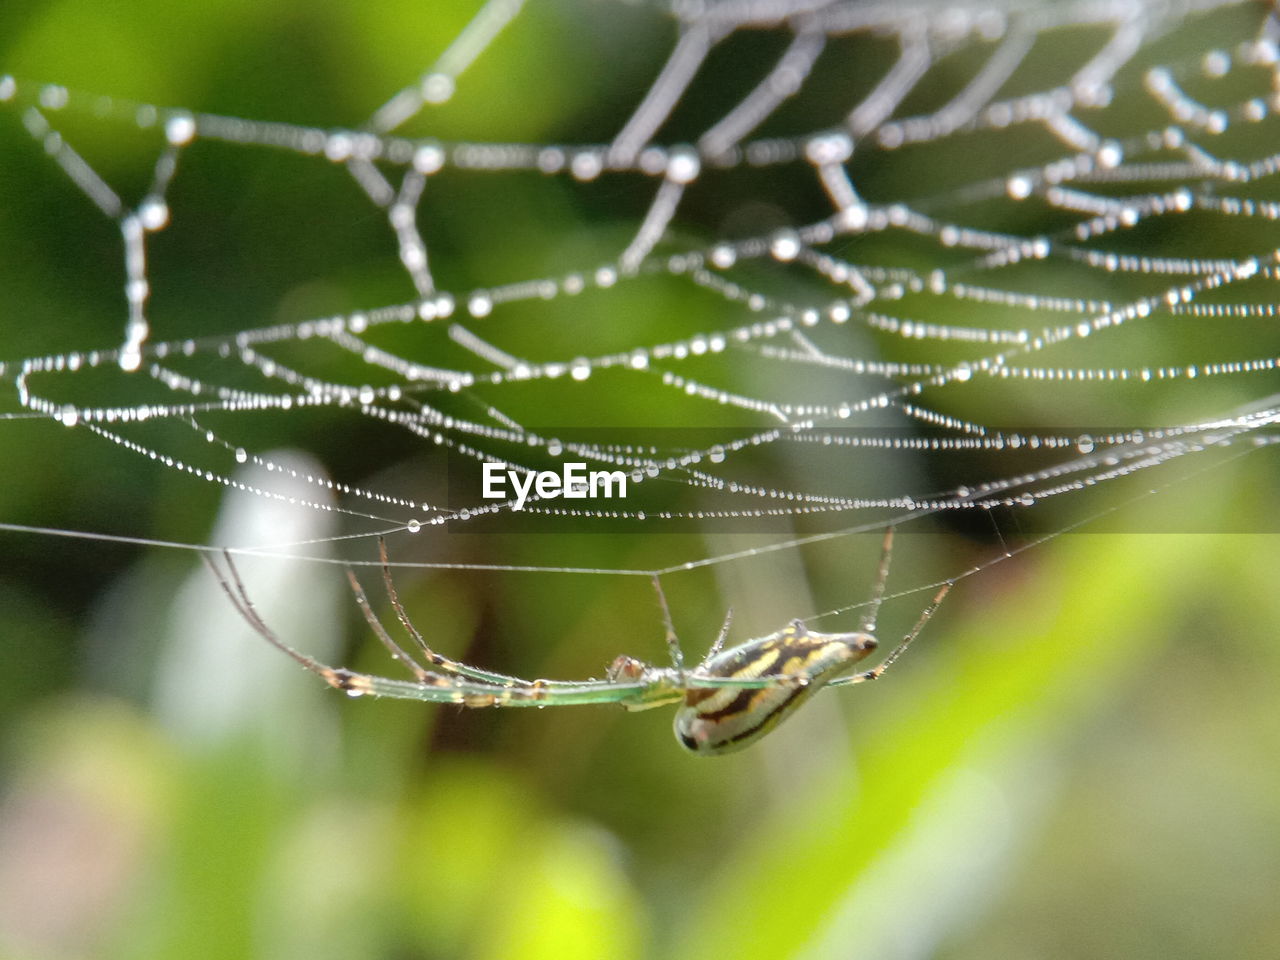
column 777, row 369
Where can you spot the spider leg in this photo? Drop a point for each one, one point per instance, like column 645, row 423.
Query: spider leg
column 239, row 598
column 397, row 652
column 435, row 659
column 719, row 644
column 868, row 624
column 429, row 687
column 673, row 642
column 540, row 693
column 876, row 672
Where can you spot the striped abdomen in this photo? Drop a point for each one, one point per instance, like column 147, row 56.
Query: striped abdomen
column 716, row 720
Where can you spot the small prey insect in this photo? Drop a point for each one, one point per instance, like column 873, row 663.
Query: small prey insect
column 732, row 698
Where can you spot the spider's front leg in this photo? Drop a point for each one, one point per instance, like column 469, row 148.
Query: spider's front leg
column 878, row 671
column 464, row 686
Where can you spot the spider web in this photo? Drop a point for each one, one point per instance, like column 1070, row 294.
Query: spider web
column 794, row 269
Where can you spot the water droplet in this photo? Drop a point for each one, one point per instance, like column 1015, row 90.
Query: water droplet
column 683, row 165
column 53, row 97
column 832, row 148
column 153, row 214
column 428, row 158
column 586, row 165
column 242, row 455
column 137, row 291
column 413, row 255
column 1019, row 188
column 180, row 129
column 1110, row 154
column 785, row 246
column 437, row 87
column 723, row 256
column 1216, row 63
column 551, row 160
column 413, row 526
column 855, row 217
column 338, row 147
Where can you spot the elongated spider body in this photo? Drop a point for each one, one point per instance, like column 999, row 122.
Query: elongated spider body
column 722, row 720
column 732, row 698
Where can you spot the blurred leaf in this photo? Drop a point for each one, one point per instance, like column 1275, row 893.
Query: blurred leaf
column 1028, row 682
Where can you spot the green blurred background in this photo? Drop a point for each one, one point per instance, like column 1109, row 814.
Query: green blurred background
column 1078, row 760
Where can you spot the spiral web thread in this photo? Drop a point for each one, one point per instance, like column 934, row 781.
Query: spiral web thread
column 854, row 345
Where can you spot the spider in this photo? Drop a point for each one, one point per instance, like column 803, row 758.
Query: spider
column 730, row 699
